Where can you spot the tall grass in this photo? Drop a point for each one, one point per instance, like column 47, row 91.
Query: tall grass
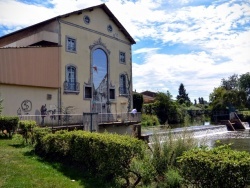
column 159, row 167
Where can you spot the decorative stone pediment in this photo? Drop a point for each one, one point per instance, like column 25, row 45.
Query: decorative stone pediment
column 99, row 43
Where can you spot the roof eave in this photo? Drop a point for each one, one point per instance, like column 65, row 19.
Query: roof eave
column 103, row 6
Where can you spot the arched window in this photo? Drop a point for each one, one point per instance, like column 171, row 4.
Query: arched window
column 123, row 85
column 71, row 84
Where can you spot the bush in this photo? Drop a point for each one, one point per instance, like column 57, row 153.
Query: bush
column 39, row 134
column 149, row 120
column 173, row 179
column 26, row 127
column 107, row 156
column 219, row 167
column 245, row 116
column 9, row 124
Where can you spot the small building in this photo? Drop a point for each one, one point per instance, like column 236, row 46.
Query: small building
column 148, row 96
column 74, row 63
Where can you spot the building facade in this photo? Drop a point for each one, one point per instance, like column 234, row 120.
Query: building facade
column 73, row 63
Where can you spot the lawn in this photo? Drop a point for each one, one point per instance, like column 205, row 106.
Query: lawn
column 21, row 168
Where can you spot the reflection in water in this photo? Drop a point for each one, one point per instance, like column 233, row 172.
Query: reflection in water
column 240, row 140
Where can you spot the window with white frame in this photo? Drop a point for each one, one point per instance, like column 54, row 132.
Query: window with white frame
column 123, row 85
column 122, row 57
column 70, row 44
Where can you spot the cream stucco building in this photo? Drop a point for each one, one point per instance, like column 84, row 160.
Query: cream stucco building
column 80, row 62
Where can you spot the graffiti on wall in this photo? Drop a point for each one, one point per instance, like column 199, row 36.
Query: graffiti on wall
column 25, row 108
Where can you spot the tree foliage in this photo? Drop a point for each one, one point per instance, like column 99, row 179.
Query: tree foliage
column 244, row 84
column 162, row 106
column 166, row 109
column 183, row 96
column 232, row 93
column 137, row 101
column 232, row 83
column 222, row 99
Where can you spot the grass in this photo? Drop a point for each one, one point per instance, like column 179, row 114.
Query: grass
column 21, row 168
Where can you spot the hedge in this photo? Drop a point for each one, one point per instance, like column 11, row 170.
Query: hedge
column 105, row 155
column 9, row 124
column 26, row 127
column 220, row 167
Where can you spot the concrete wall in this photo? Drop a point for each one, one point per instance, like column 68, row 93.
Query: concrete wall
column 27, row 100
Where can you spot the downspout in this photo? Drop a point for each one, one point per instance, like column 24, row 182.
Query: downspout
column 60, row 67
column 131, row 81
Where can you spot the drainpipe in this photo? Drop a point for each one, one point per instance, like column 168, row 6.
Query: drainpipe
column 60, row 67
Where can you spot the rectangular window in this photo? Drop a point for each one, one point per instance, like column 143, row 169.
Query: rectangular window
column 123, row 85
column 87, row 92
column 122, row 57
column 112, row 94
column 70, row 44
column 49, row 96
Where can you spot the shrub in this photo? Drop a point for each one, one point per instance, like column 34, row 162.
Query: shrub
column 149, row 120
column 9, row 124
column 219, row 167
column 107, row 156
column 26, row 127
column 173, row 179
column 144, row 167
column 39, row 134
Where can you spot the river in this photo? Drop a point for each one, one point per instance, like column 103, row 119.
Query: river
column 209, row 134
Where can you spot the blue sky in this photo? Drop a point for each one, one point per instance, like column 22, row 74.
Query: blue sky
column 194, row 42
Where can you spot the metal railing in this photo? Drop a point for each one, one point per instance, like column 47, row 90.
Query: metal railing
column 71, row 87
column 53, row 120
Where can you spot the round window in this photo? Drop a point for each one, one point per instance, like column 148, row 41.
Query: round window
column 86, row 20
column 110, row 29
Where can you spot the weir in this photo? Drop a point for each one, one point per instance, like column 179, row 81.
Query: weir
column 193, row 131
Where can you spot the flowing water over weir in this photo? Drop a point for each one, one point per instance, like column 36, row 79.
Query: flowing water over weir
column 194, row 131
column 210, row 133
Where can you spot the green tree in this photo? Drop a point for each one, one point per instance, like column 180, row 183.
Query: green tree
column 231, row 83
column 137, row 101
column 244, row 83
column 168, row 110
column 162, row 106
column 183, row 96
column 222, row 99
column 216, row 99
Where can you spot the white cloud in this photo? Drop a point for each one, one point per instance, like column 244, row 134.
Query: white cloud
column 145, row 50
column 218, row 33
column 14, row 13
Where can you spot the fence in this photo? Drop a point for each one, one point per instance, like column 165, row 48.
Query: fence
column 53, row 120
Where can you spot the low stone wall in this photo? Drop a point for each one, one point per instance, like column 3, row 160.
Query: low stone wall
column 130, row 128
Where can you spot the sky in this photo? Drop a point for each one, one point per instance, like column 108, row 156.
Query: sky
column 194, row 42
